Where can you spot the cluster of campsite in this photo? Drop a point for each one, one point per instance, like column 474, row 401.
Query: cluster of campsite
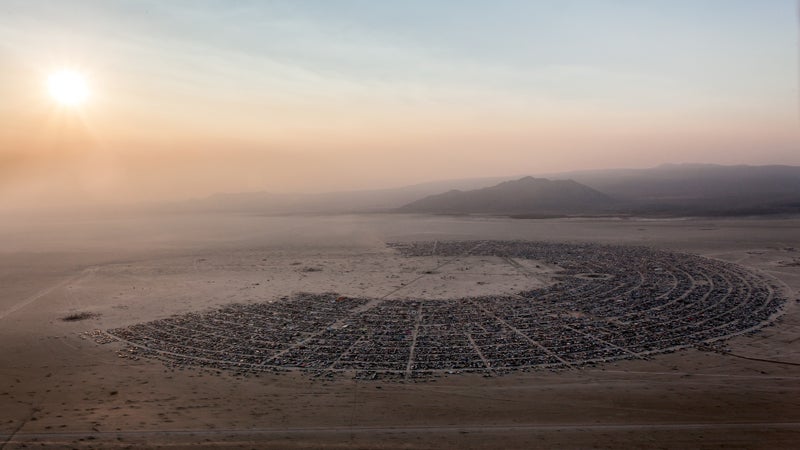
column 609, row 302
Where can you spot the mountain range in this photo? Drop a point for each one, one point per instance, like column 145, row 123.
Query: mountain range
column 666, row 190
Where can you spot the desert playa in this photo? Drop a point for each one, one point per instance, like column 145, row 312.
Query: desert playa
column 63, row 388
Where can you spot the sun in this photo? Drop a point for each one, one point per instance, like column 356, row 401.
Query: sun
column 68, row 87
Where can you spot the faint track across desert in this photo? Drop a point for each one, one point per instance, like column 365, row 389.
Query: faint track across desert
column 44, row 292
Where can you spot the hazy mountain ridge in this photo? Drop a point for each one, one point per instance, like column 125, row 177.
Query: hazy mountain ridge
column 681, row 181
column 328, row 202
column 701, row 189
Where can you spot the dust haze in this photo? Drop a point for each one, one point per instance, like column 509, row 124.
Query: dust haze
column 405, row 225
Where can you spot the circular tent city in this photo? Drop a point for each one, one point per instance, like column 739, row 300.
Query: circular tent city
column 607, row 303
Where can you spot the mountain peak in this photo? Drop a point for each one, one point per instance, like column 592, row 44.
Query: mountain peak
column 527, row 195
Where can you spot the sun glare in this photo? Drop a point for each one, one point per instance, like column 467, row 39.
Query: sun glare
column 68, row 87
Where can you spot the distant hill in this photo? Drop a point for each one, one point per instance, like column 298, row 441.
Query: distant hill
column 528, row 195
column 375, row 200
column 700, row 189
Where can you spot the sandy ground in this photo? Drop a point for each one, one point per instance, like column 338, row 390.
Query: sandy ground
column 59, row 390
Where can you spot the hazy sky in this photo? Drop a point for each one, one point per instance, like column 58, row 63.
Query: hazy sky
column 189, row 98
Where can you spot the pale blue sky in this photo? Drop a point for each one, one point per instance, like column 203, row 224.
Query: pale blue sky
column 733, row 49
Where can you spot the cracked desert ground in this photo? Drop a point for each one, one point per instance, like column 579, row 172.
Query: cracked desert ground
column 59, row 389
